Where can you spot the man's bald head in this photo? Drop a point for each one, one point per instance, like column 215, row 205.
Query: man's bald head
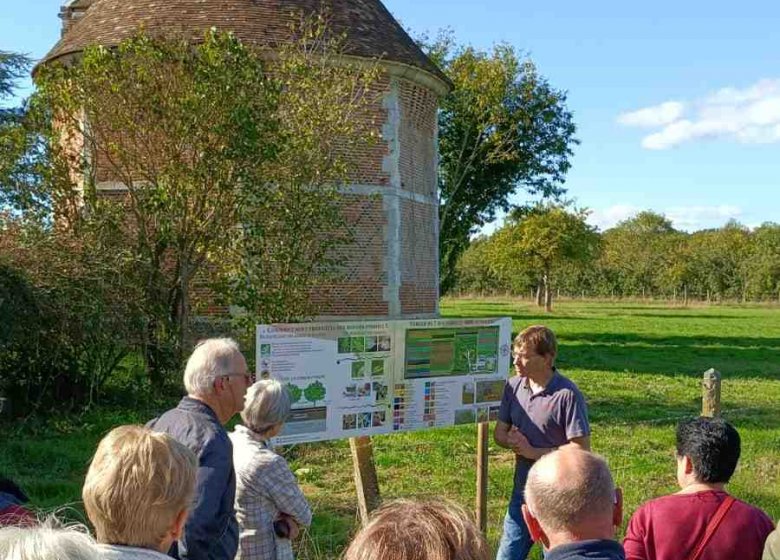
column 570, row 488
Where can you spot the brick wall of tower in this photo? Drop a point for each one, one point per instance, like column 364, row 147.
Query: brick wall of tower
column 363, row 289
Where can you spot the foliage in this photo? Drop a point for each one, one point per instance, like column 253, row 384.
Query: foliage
column 545, row 238
column 218, row 169
column 68, row 316
column 475, row 274
column 295, row 392
column 637, row 249
column 642, row 256
column 501, row 129
column 13, row 66
column 291, row 230
column 314, row 392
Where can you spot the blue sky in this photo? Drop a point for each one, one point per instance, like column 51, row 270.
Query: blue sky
column 677, row 103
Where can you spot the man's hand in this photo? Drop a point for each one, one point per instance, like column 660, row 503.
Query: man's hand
column 520, row 444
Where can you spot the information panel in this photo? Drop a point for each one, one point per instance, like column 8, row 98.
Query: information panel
column 350, row 379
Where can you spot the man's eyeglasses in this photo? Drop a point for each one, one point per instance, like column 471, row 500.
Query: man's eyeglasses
column 249, row 377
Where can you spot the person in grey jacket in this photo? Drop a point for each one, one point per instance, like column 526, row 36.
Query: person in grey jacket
column 216, row 380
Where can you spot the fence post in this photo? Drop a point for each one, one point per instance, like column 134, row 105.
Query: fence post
column 482, row 476
column 366, row 482
column 710, row 401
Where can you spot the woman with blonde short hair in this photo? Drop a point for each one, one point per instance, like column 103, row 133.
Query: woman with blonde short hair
column 138, row 490
column 418, row 530
column 269, row 504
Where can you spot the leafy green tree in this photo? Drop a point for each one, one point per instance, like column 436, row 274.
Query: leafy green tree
column 764, row 265
column 638, row 250
column 226, row 166
column 546, row 238
column 13, row 67
column 502, row 129
column 474, row 272
column 314, row 392
column 720, row 261
column 295, row 392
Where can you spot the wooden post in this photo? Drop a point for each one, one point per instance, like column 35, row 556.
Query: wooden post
column 482, row 476
column 366, row 482
column 710, row 401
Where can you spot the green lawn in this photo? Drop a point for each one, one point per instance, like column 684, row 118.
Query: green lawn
column 639, row 366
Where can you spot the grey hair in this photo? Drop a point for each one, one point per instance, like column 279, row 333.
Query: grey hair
column 48, row 541
column 267, row 403
column 211, row 359
column 565, row 488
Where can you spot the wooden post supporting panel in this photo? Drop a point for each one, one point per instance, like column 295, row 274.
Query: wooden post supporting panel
column 366, row 482
column 482, row 475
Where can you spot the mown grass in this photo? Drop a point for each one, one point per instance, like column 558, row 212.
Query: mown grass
column 639, row 366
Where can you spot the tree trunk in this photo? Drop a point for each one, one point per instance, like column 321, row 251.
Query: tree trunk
column 547, row 293
column 184, row 309
column 540, row 294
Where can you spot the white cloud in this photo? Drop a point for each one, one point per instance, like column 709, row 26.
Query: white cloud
column 686, row 218
column 693, row 218
column 609, row 217
column 749, row 116
column 651, row 117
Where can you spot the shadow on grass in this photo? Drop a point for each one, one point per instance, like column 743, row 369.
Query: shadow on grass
column 733, row 356
column 610, row 410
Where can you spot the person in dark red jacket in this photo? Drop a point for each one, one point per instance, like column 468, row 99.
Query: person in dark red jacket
column 701, row 521
column 12, row 500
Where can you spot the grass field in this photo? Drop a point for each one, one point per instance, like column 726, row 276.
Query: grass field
column 639, row 366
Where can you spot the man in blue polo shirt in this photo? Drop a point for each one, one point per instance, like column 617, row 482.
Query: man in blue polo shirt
column 541, row 410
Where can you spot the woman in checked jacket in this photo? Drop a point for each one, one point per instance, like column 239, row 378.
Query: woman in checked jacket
column 270, row 506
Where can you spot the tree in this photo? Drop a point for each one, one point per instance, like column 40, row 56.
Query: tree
column 503, row 128
column 314, row 392
column 289, row 236
column 211, row 149
column 474, row 272
column 720, row 261
column 13, row 67
column 295, row 392
column 764, row 266
column 638, row 250
column 547, row 237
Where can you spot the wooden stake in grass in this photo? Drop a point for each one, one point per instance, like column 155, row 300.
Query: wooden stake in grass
column 482, row 475
column 366, row 482
column 710, row 401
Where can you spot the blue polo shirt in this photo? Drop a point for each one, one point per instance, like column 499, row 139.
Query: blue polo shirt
column 550, row 418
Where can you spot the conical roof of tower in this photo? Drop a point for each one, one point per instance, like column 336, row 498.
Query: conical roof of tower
column 370, row 29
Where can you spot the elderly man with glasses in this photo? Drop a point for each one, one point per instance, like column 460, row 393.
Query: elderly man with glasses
column 216, row 380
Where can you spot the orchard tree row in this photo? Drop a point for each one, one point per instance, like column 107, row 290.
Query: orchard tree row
column 551, row 250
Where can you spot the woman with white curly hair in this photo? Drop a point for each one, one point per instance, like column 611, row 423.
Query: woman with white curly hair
column 270, row 506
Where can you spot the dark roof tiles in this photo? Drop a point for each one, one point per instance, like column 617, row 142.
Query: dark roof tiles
column 371, row 30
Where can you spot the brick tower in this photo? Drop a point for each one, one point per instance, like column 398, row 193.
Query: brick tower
column 392, row 268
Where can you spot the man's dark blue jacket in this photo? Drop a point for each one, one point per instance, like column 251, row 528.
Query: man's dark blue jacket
column 211, row 532
column 587, row 550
